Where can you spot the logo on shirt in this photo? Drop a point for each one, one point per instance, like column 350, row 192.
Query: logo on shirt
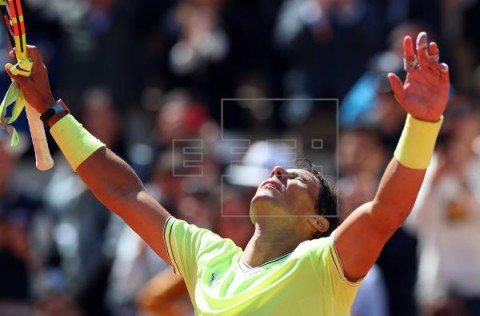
column 214, row 281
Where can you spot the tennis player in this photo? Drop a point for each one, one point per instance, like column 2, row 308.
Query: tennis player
column 285, row 269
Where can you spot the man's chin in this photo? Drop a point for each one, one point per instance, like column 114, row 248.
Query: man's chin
column 268, row 192
column 263, row 204
column 263, row 196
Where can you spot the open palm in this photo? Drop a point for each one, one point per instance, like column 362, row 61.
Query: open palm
column 424, row 94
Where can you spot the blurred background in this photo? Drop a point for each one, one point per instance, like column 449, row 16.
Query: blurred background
column 202, row 98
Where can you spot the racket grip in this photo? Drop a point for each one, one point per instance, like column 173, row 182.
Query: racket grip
column 43, row 158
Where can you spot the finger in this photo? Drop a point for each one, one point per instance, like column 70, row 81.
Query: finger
column 410, row 61
column 408, row 50
column 422, row 53
column 32, row 52
column 19, row 79
column 444, row 72
column 397, row 87
column 433, row 51
column 8, row 67
column 11, row 53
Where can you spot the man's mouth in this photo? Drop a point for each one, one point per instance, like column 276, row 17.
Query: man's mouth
column 272, row 186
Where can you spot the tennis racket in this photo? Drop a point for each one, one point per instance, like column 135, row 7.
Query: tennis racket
column 14, row 23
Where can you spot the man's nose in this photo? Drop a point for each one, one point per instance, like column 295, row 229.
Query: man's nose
column 279, row 172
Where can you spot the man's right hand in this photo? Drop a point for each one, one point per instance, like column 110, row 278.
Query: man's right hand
column 36, row 88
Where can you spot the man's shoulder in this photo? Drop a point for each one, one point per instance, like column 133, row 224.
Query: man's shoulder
column 202, row 238
column 314, row 251
column 190, row 247
column 315, row 245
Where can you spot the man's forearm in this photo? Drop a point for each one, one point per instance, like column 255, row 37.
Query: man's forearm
column 109, row 178
column 404, row 175
column 396, row 195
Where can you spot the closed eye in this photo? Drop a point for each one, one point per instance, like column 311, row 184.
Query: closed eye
column 298, row 176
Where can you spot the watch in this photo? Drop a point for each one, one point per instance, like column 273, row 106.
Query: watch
column 57, row 108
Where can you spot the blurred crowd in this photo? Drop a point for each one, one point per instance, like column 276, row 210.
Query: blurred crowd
column 202, row 97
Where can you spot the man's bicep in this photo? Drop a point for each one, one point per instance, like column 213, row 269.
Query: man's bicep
column 359, row 241
column 147, row 218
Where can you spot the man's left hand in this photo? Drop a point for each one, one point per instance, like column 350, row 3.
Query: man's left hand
column 424, row 94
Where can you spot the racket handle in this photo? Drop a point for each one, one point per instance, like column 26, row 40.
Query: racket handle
column 43, row 158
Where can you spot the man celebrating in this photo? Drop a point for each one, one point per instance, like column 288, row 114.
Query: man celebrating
column 284, row 269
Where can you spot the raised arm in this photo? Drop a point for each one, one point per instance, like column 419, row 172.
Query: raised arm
column 110, row 179
column 424, row 95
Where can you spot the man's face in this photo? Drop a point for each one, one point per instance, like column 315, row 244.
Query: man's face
column 287, row 193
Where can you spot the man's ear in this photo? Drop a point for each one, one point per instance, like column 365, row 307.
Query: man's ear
column 319, row 222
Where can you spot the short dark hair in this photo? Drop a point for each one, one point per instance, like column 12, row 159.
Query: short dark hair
column 327, row 197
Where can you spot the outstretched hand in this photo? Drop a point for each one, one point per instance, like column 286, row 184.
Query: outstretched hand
column 424, row 94
column 36, row 88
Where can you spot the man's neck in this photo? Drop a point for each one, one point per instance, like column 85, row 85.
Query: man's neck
column 265, row 246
